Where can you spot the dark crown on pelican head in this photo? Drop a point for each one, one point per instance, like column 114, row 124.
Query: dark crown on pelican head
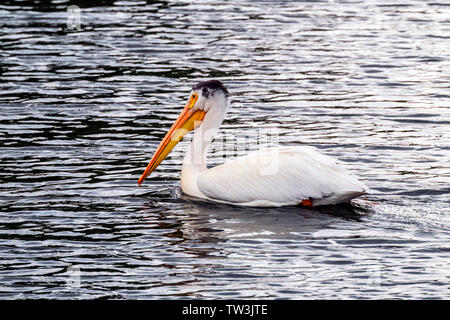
column 210, row 87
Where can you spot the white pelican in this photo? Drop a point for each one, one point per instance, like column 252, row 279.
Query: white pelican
column 301, row 175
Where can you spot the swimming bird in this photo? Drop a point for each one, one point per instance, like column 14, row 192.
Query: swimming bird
column 278, row 176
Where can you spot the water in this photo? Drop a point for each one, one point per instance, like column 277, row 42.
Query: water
column 84, row 102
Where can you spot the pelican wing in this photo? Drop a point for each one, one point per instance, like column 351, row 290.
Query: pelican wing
column 280, row 176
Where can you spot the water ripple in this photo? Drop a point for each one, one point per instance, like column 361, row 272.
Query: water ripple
column 83, row 108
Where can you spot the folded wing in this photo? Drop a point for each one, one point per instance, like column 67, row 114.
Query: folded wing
column 280, row 176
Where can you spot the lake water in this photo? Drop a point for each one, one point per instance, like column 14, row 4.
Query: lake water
column 87, row 93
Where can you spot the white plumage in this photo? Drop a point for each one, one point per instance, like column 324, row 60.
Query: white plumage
column 270, row 177
column 280, row 176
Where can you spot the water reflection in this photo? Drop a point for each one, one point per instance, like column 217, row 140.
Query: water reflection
column 227, row 221
column 82, row 110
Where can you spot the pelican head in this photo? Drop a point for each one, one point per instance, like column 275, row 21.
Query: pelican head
column 210, row 94
column 206, row 97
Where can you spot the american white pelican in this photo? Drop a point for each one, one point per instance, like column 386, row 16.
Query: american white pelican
column 270, row 177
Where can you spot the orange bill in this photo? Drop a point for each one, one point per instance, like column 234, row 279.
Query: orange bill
column 188, row 120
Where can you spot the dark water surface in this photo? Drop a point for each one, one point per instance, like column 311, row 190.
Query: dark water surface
column 82, row 110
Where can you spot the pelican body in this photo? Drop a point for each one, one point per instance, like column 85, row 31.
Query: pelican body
column 281, row 176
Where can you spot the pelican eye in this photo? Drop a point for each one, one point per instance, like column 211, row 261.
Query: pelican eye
column 193, row 99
